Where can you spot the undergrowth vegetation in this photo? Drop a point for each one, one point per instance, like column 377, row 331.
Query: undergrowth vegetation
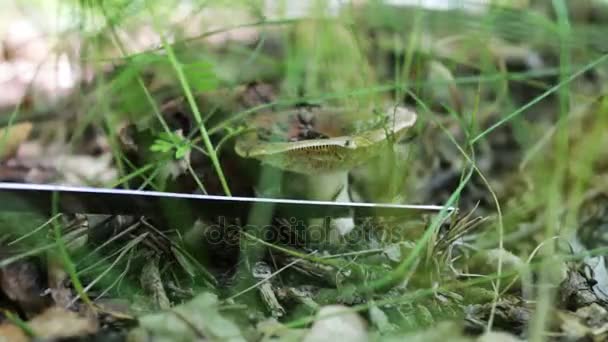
column 509, row 147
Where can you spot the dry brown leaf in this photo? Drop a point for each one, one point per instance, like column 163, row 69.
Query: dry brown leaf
column 11, row 137
column 23, row 283
column 12, row 333
column 58, row 285
column 57, row 322
column 64, row 166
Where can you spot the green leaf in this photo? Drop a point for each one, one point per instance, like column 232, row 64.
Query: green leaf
column 181, row 151
column 201, row 76
column 161, row 146
column 187, row 322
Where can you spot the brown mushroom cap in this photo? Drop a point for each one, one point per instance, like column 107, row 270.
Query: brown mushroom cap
column 340, row 151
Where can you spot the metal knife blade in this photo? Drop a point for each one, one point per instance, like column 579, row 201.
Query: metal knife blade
column 86, row 200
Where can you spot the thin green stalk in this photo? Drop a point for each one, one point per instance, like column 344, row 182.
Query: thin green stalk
column 122, row 254
column 294, row 253
column 34, row 251
column 120, row 277
column 546, row 286
column 403, row 73
column 4, row 136
column 194, row 107
column 263, row 280
column 113, row 140
column 209, row 34
column 196, row 178
column 15, row 113
column 34, row 231
column 65, row 257
column 140, row 171
column 197, row 116
column 500, row 225
column 19, row 323
column 107, row 243
column 522, row 76
column 404, row 268
column 150, row 99
column 539, row 98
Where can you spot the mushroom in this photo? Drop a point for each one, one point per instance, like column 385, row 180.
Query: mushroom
column 317, row 147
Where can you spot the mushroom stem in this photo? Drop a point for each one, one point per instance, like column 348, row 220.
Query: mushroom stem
column 329, row 187
column 343, row 225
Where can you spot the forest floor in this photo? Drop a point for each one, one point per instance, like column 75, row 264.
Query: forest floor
column 497, row 111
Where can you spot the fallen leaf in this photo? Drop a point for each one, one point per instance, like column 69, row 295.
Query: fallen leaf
column 151, row 281
column 11, row 137
column 337, row 323
column 272, row 330
column 496, row 336
column 198, row 319
column 380, row 319
column 57, row 322
column 57, row 279
column 23, row 282
column 444, row 331
column 12, row 333
column 486, row 263
column 571, row 326
column 67, row 168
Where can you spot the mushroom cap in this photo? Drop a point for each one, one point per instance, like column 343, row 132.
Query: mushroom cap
column 341, row 151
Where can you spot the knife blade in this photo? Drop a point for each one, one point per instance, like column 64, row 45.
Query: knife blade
column 88, row 200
